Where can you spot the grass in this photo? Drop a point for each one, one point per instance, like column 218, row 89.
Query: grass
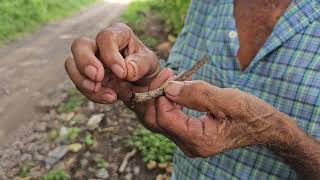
column 74, row 101
column 25, row 169
column 72, row 134
column 152, row 146
column 57, row 174
column 20, row 16
column 170, row 12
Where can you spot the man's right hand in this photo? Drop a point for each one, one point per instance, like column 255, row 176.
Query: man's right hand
column 103, row 69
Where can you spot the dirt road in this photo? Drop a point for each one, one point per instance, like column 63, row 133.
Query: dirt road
column 33, row 66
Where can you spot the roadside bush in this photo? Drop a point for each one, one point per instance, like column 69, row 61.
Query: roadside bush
column 21, row 16
column 171, row 12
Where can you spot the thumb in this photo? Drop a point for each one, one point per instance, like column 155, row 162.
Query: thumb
column 141, row 65
column 197, row 95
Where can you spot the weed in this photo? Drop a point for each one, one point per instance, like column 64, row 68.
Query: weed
column 74, row 101
column 88, row 140
column 152, row 146
column 100, row 162
column 57, row 174
column 73, row 133
column 25, row 169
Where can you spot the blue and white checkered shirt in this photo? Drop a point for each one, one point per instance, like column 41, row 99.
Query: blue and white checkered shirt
column 285, row 73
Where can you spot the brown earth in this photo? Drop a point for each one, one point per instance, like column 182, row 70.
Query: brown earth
column 33, row 85
column 33, row 66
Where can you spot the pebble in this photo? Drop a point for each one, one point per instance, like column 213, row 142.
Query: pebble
column 37, row 157
column 136, row 170
column 91, row 106
column 162, row 165
column 75, row 147
column 162, row 177
column 63, row 131
column 56, row 154
column 107, row 108
column 94, row 121
column 128, row 176
column 87, row 154
column 67, row 116
column 128, row 169
column 84, row 162
column 151, row 165
column 170, row 169
column 102, row 173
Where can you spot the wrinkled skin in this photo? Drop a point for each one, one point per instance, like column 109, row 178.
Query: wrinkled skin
column 233, row 119
column 117, row 64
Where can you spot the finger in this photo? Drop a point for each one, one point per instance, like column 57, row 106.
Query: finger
column 161, row 78
column 184, row 130
column 141, row 65
column 110, row 42
column 79, row 80
column 84, row 50
column 150, row 111
column 170, row 119
column 87, row 87
column 197, row 95
column 104, row 96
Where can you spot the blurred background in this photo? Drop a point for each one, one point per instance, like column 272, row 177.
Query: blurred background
column 47, row 129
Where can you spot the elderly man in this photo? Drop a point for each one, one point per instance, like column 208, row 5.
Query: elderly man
column 260, row 92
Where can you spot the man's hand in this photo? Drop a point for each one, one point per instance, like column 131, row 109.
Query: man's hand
column 234, row 119
column 113, row 67
column 102, row 69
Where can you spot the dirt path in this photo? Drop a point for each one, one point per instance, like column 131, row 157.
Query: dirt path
column 33, row 66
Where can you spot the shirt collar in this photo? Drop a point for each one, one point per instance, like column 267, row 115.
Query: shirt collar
column 297, row 17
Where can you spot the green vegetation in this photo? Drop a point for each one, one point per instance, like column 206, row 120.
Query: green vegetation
column 171, row 12
column 57, row 174
column 88, row 139
column 73, row 133
column 75, row 100
column 100, row 162
column 25, row 169
column 20, row 16
column 152, row 146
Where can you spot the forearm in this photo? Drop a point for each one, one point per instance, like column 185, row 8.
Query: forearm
column 299, row 150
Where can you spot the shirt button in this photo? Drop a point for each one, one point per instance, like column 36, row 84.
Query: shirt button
column 233, row 34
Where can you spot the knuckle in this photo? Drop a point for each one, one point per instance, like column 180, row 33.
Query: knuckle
column 79, row 42
column 103, row 35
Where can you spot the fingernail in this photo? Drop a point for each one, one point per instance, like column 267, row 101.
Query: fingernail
column 174, row 88
column 89, row 85
column 109, row 97
column 91, row 72
column 118, row 70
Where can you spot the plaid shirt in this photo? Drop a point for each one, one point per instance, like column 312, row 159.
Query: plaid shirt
column 285, row 73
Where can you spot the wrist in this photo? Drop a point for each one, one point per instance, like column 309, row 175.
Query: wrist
column 286, row 134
